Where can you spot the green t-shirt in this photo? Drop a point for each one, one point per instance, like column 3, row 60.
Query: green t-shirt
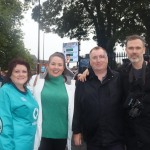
column 54, row 100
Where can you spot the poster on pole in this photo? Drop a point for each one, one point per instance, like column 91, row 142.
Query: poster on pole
column 71, row 51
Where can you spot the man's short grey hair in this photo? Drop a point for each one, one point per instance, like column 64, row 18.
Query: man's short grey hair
column 97, row 48
column 135, row 37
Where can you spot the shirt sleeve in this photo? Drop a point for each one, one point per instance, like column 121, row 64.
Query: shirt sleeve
column 6, row 122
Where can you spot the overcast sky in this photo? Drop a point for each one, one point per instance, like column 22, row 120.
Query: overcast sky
column 52, row 42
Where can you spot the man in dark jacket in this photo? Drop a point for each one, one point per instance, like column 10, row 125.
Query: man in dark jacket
column 136, row 88
column 98, row 109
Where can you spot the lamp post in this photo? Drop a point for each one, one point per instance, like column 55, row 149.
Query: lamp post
column 38, row 56
column 43, row 45
column 38, row 61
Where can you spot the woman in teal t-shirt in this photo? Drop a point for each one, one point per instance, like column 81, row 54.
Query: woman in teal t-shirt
column 18, row 109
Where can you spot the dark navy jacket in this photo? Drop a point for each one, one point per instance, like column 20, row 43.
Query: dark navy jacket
column 139, row 128
column 98, row 109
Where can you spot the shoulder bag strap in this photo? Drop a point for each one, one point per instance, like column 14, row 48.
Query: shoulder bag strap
column 35, row 81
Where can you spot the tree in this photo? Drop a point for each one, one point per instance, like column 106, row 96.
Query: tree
column 110, row 21
column 11, row 43
column 143, row 10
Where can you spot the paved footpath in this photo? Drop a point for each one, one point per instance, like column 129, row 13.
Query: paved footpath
column 82, row 147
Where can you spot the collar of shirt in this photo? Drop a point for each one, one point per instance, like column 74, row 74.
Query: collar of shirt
column 108, row 76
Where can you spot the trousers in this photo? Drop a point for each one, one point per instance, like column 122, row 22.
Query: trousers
column 113, row 147
column 52, row 144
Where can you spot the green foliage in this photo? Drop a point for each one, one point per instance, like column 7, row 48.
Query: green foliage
column 110, row 21
column 11, row 43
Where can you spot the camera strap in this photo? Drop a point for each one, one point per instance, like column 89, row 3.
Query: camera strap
column 136, row 92
column 139, row 79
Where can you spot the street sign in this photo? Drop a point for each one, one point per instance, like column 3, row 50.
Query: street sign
column 71, row 49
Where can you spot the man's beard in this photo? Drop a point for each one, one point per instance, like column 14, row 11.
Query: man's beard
column 135, row 60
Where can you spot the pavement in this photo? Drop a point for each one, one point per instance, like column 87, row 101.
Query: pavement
column 82, row 147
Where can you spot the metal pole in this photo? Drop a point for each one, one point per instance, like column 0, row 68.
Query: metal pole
column 38, row 63
column 43, row 45
column 78, row 63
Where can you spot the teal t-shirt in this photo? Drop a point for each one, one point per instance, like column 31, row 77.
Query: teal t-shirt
column 18, row 117
column 54, row 100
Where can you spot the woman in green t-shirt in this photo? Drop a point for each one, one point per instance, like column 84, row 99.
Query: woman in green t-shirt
column 55, row 96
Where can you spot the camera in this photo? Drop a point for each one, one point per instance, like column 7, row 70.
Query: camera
column 135, row 107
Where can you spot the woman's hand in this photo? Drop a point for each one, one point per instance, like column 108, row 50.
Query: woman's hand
column 82, row 77
column 77, row 138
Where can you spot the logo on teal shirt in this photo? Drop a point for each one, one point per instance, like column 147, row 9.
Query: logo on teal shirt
column 35, row 113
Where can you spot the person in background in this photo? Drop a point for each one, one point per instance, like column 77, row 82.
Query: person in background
column 1, row 79
column 98, row 113
column 136, row 89
column 67, row 59
column 18, row 109
column 55, row 95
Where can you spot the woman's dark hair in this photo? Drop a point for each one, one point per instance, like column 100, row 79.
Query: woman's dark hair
column 13, row 64
column 62, row 56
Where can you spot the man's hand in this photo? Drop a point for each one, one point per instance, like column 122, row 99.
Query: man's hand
column 82, row 77
column 77, row 138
